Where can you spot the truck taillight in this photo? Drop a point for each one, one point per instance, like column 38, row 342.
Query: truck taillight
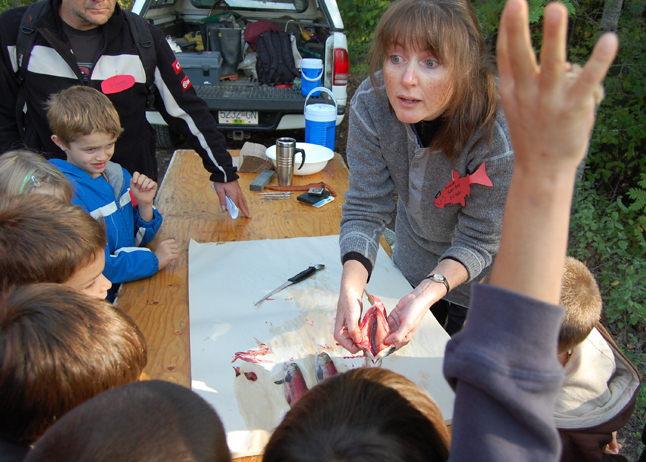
column 341, row 67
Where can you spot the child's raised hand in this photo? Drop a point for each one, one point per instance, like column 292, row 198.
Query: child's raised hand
column 550, row 116
column 166, row 252
column 143, row 188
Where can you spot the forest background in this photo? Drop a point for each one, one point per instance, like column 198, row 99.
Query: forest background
column 609, row 210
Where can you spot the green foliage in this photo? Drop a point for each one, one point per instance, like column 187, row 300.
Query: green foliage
column 619, row 139
column 9, row 4
column 638, row 195
column 360, row 18
column 608, row 237
column 126, row 4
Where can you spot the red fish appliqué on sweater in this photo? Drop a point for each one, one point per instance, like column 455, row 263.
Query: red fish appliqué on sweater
column 458, row 188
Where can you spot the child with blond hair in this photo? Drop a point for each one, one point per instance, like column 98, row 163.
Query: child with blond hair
column 26, row 172
column 86, row 126
column 601, row 384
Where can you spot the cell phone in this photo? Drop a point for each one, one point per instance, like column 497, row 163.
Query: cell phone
column 310, row 199
column 318, row 192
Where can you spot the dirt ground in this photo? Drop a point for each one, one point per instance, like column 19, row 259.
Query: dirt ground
column 629, row 436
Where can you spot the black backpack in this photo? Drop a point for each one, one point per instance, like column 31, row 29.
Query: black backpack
column 275, row 61
column 141, row 35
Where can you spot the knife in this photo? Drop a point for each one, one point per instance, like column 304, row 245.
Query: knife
column 298, row 278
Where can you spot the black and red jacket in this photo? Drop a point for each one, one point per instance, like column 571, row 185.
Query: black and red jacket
column 52, row 68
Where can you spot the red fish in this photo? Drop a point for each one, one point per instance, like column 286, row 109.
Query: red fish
column 458, row 188
column 295, row 386
column 374, row 330
column 324, row 367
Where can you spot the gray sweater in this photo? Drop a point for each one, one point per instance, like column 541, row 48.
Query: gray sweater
column 385, row 154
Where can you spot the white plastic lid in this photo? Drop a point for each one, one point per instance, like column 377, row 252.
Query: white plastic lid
column 320, row 112
column 311, row 63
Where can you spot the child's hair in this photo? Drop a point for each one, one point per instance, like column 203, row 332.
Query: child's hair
column 151, row 420
column 23, row 171
column 361, row 415
column 43, row 239
column 582, row 301
column 79, row 111
column 58, row 348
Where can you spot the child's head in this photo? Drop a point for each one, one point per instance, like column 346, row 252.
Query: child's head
column 25, row 172
column 582, row 301
column 151, row 420
column 43, row 239
column 363, row 414
column 58, row 348
column 85, row 125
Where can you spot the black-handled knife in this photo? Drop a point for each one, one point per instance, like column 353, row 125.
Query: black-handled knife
column 293, row 280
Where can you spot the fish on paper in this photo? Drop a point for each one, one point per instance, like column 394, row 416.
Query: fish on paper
column 459, row 188
column 324, row 366
column 295, row 386
column 374, row 330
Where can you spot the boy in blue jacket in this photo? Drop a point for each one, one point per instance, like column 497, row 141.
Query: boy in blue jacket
column 86, row 126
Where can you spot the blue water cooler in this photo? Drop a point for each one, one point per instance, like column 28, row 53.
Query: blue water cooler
column 311, row 74
column 320, row 120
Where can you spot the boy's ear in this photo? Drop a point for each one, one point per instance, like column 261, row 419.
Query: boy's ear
column 58, row 142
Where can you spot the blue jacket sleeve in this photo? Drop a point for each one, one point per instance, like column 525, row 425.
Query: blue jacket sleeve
column 130, row 264
column 503, row 366
column 145, row 232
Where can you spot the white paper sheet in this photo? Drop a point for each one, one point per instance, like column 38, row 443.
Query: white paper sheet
column 225, row 279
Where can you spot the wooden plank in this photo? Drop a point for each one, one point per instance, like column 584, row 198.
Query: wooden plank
column 159, row 304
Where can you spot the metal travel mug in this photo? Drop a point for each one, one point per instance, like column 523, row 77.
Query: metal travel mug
column 285, row 152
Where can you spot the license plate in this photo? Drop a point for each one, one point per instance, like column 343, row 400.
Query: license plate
column 238, row 117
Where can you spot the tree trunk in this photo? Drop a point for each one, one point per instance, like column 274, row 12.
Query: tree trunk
column 611, row 13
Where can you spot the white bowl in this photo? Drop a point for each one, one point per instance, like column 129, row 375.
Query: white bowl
column 316, row 158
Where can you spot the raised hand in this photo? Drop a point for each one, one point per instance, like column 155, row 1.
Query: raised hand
column 143, row 188
column 550, row 116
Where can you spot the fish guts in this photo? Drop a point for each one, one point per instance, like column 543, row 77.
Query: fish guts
column 374, row 330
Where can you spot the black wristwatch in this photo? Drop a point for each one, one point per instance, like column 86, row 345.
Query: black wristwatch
column 439, row 278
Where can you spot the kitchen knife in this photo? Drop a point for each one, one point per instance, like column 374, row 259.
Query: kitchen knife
column 298, row 278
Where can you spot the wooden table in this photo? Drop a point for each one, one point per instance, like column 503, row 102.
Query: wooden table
column 190, row 207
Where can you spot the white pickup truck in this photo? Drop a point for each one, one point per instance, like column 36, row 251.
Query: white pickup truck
column 243, row 104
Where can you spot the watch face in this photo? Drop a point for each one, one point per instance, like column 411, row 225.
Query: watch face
column 438, row 277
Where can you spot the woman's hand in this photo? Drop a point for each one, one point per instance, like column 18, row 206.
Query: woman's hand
column 349, row 307
column 410, row 311
column 407, row 316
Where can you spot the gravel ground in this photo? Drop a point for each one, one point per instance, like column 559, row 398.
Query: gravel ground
column 630, row 339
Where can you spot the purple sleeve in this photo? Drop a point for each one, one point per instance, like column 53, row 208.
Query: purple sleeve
column 503, row 367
